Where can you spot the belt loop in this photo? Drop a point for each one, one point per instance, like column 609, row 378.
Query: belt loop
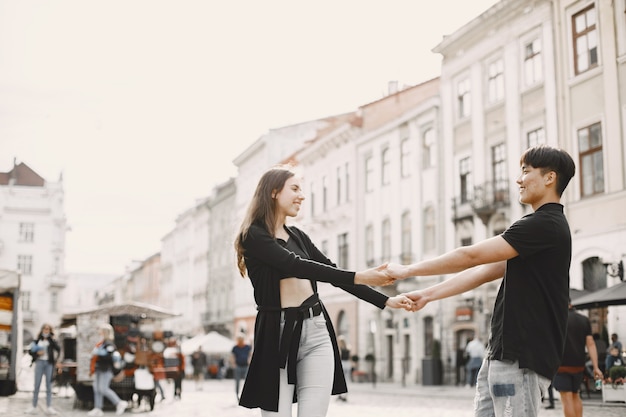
column 311, row 313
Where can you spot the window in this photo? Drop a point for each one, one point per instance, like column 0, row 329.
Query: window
column 464, row 177
column 428, row 149
column 536, row 137
column 405, row 152
column 312, row 186
column 591, row 163
column 339, row 185
column 325, row 247
column 386, row 166
column 533, row 70
column 500, row 178
column 463, row 98
column 386, row 240
column 25, row 298
column 407, row 244
column 369, row 174
column 27, row 232
column 429, row 229
column 54, row 301
column 369, row 246
column 495, row 81
column 466, row 241
column 25, row 264
column 324, row 194
column 585, row 40
column 405, row 159
column 347, row 172
column 342, row 251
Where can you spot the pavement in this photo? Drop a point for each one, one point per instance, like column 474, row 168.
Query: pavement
column 216, row 398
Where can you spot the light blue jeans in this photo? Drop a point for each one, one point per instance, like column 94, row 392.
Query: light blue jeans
column 239, row 373
column 503, row 389
column 315, row 370
column 43, row 367
column 102, row 389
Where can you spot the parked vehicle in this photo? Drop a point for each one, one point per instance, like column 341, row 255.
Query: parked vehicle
column 10, row 331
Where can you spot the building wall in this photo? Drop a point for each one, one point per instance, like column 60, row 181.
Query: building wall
column 42, row 207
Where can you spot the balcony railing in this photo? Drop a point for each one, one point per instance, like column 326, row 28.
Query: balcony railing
column 487, row 199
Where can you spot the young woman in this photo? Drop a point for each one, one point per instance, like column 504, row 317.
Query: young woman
column 295, row 355
column 103, row 357
column 45, row 352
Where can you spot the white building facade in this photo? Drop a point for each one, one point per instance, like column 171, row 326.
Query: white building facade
column 32, row 240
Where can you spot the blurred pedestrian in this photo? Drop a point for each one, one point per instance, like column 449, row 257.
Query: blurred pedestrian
column 105, row 359
column 344, row 354
column 475, row 353
column 174, row 362
column 240, row 360
column 199, row 364
column 45, row 352
column 570, row 374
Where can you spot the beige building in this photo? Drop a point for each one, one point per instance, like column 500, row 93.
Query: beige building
column 591, row 79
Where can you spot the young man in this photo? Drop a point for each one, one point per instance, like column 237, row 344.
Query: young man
column 530, row 313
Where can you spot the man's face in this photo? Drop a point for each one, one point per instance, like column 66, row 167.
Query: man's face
column 533, row 185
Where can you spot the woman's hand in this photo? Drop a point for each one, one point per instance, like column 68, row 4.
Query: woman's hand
column 400, row 301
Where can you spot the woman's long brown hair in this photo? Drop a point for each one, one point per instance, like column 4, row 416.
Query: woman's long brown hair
column 262, row 208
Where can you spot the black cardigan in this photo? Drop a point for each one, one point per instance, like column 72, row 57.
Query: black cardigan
column 267, row 262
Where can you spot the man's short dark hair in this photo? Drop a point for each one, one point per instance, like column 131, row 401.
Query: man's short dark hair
column 547, row 158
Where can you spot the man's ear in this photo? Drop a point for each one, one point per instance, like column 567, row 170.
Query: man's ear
column 550, row 177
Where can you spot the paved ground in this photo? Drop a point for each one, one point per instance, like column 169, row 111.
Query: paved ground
column 217, row 399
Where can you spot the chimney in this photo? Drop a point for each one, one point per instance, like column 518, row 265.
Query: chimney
column 392, row 87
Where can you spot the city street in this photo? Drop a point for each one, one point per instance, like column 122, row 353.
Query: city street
column 217, row 399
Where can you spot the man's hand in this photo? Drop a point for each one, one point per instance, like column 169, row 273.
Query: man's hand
column 374, row 276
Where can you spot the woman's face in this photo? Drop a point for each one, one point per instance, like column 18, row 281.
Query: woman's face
column 289, row 199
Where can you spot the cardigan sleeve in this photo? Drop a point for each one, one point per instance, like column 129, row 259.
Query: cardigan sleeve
column 362, row 292
column 261, row 246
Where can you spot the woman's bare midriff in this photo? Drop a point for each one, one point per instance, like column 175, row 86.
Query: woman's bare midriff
column 293, row 291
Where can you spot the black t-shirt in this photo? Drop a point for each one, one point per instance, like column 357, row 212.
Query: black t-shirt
column 578, row 328
column 530, row 313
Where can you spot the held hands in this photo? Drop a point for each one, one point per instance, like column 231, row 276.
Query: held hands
column 400, row 301
column 396, row 271
column 374, row 276
column 418, row 300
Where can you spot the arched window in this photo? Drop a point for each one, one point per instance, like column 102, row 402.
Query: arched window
column 594, row 274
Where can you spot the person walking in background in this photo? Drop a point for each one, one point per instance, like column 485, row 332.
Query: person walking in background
column 240, row 360
column 295, row 349
column 180, row 374
column 344, row 354
column 45, row 352
column 199, row 364
column 529, row 318
column 104, row 357
column 475, row 352
column 570, row 374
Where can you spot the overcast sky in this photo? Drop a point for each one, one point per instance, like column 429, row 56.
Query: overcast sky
column 143, row 105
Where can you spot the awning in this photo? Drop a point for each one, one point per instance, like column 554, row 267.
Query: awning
column 611, row 296
column 132, row 308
